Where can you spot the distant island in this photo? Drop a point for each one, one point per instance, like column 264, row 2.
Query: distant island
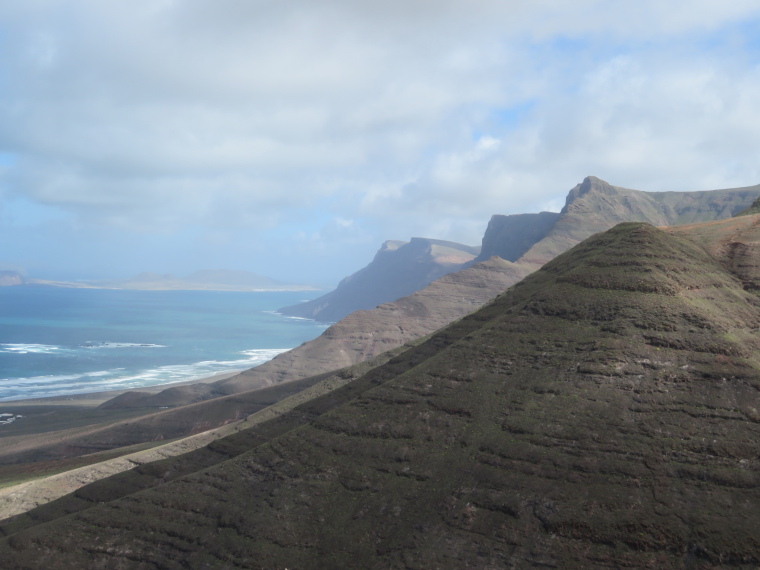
column 204, row 280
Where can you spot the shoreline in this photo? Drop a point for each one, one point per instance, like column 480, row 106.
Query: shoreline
column 94, row 399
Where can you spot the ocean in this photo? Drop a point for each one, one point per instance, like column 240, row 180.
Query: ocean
column 57, row 341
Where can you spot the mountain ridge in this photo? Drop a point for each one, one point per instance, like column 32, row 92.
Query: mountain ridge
column 533, row 239
column 598, row 413
column 595, row 205
column 361, row 336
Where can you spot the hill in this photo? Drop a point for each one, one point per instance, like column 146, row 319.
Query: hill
column 398, row 269
column 601, row 413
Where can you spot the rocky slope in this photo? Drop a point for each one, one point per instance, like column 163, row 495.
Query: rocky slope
column 735, row 242
column 362, row 336
column 69, row 475
column 398, row 269
column 602, row 413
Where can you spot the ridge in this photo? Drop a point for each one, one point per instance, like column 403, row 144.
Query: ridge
column 602, row 412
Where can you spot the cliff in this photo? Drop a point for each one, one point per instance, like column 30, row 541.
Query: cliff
column 509, row 237
column 398, row 269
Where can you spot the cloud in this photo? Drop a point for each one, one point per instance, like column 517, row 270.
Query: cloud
column 414, row 117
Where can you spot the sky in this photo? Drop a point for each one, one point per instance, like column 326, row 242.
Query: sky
column 293, row 138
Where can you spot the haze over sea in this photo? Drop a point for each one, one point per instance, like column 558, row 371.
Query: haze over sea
column 58, row 341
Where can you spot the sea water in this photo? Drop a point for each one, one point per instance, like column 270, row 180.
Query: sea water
column 57, row 341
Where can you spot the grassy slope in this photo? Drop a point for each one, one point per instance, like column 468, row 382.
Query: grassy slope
column 602, row 412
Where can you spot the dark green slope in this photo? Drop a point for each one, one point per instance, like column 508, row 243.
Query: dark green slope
column 605, row 412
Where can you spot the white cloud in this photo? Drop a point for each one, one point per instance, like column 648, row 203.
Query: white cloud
column 413, row 117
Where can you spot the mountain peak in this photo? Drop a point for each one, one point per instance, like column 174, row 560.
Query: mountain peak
column 589, row 184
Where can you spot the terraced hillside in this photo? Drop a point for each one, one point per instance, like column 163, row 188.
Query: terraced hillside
column 601, row 413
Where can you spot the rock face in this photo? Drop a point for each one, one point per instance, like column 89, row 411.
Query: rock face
column 398, row 269
column 601, row 413
column 509, row 237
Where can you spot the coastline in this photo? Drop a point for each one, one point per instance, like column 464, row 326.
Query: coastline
column 94, row 399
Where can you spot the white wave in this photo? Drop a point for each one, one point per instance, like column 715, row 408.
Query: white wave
column 31, row 348
column 264, row 352
column 121, row 379
column 56, row 378
column 104, row 344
